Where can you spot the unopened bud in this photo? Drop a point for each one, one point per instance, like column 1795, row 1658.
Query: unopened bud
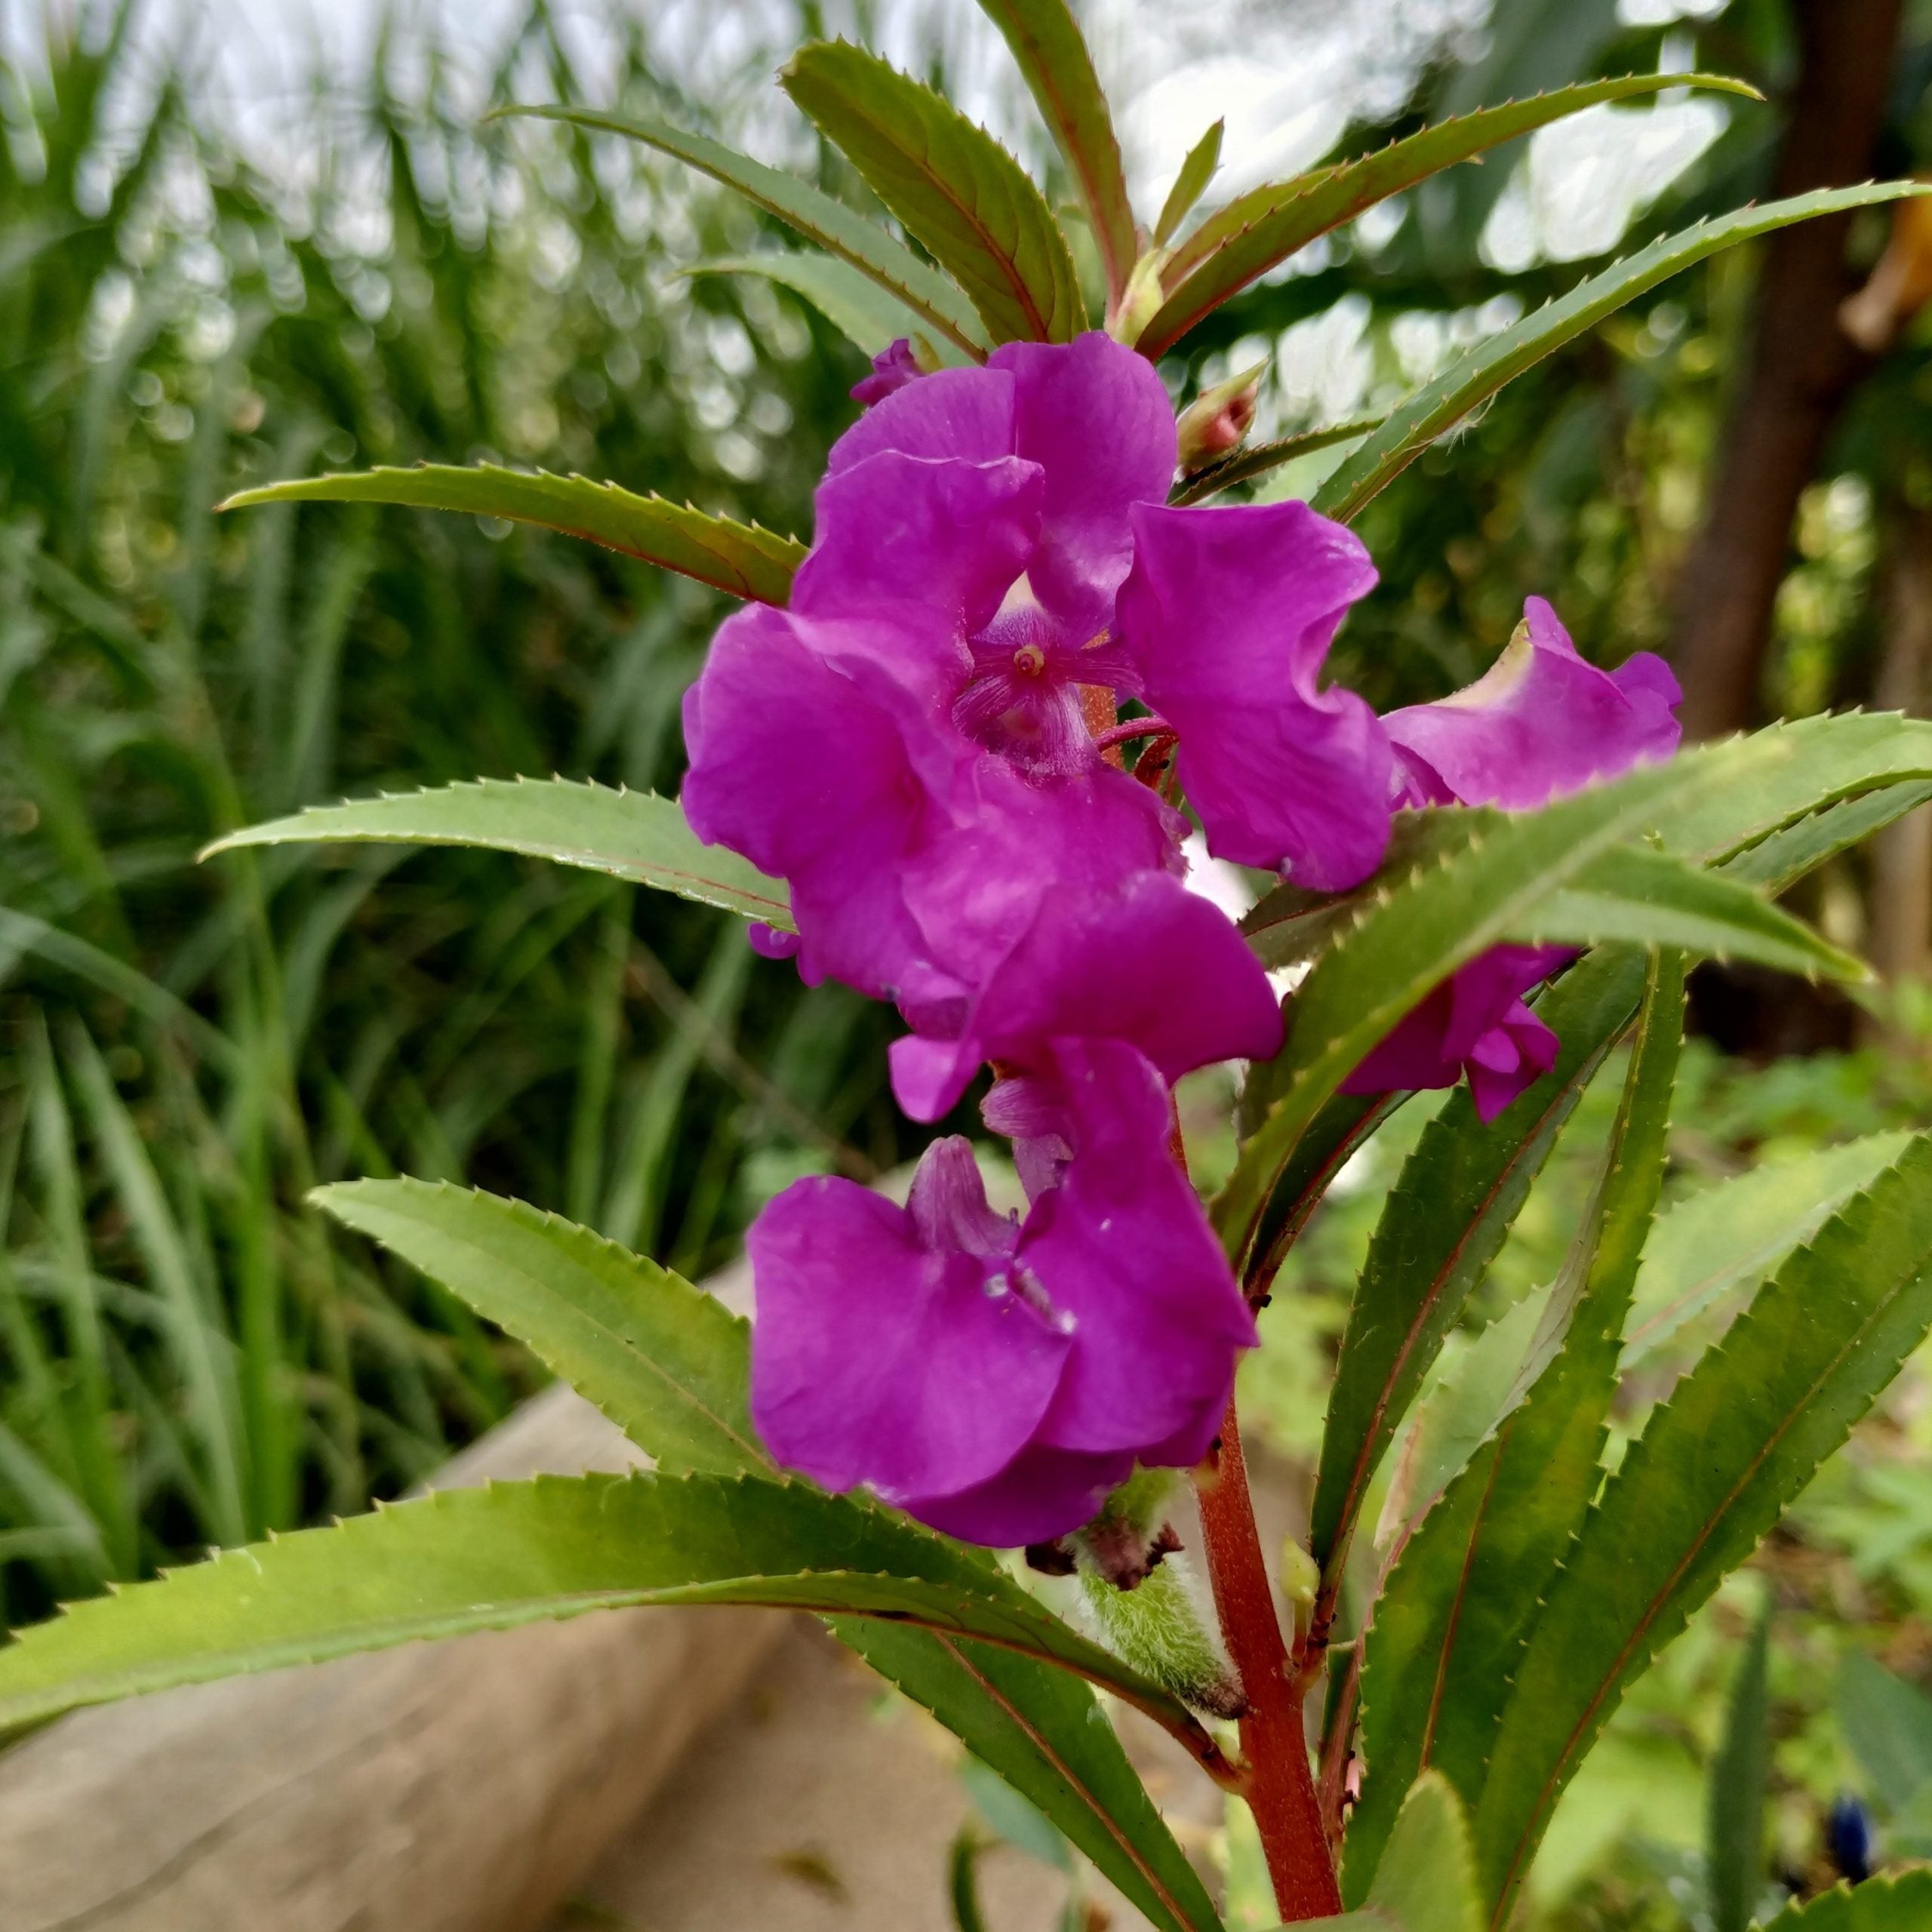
column 1216, row 422
column 1139, row 300
column 1162, row 1631
column 1141, row 1596
column 1300, row 1579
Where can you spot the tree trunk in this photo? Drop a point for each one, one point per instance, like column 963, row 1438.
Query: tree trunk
column 1801, row 367
column 1902, row 854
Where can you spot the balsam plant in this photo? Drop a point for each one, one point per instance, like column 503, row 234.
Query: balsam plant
column 942, row 754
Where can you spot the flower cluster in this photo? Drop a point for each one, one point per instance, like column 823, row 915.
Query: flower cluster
column 927, row 746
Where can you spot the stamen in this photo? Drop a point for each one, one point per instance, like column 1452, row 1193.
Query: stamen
column 1030, row 660
column 1135, row 727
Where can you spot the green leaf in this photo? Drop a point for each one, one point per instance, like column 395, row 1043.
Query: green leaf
column 962, row 1883
column 1709, row 1476
column 1646, row 897
column 815, row 215
column 1417, row 931
column 952, row 185
column 1244, row 465
column 517, row 1553
column 1438, row 406
column 1886, row 1723
column 668, row 1364
column 739, row 558
column 631, row 835
column 1427, row 1881
column 1342, row 1126
column 1451, row 1623
column 1458, row 1193
column 1633, row 893
column 1831, row 759
column 854, row 304
column 1190, row 184
column 1739, row 1775
column 664, row 1361
column 1268, row 224
column 1043, row 1732
column 1903, row 1904
column 1797, row 849
column 1046, row 44
column 1730, row 1235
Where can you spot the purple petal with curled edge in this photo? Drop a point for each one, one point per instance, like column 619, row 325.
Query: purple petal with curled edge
column 1096, row 419
column 924, row 551
column 893, row 368
column 965, row 413
column 1041, row 1494
column 882, row 1356
column 1229, row 614
column 1153, row 965
column 819, row 771
column 1539, row 723
column 1475, row 1018
column 1123, row 1250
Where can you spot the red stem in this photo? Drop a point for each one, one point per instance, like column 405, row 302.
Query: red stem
column 1281, row 1790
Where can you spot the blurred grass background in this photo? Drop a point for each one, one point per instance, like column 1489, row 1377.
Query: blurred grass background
column 189, row 1357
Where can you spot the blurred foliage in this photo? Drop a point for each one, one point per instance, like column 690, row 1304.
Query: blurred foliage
column 188, row 1356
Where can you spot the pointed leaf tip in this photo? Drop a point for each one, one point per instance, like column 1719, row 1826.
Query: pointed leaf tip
column 957, row 190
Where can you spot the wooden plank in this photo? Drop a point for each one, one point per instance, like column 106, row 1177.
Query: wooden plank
column 463, row 1786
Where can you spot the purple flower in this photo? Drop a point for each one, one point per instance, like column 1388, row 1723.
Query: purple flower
column 910, row 743
column 994, row 1377
column 893, row 368
column 1539, row 723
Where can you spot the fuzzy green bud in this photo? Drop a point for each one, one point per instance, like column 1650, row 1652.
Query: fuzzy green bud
column 1159, row 1629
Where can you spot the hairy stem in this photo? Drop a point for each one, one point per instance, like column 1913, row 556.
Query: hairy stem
column 1281, row 1791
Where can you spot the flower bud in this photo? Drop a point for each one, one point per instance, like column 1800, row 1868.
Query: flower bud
column 1215, row 423
column 1139, row 301
column 1299, row 1579
column 1161, row 1629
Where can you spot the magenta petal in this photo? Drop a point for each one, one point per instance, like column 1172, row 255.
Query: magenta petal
column 1515, row 1052
column 1123, row 1247
column 1041, row 1494
column 926, row 549
column 768, row 942
column 1096, row 419
column 808, row 766
column 879, row 1359
column 1476, row 1018
column 1010, row 844
column 893, row 368
column 1155, row 966
column 1539, row 723
column 966, row 413
column 1229, row 614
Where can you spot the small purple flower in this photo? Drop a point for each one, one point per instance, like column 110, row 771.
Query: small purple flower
column 893, row 368
column 994, row 1377
column 1539, row 723
column 1474, row 1022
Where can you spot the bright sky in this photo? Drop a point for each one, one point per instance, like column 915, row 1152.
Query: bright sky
column 1288, row 76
